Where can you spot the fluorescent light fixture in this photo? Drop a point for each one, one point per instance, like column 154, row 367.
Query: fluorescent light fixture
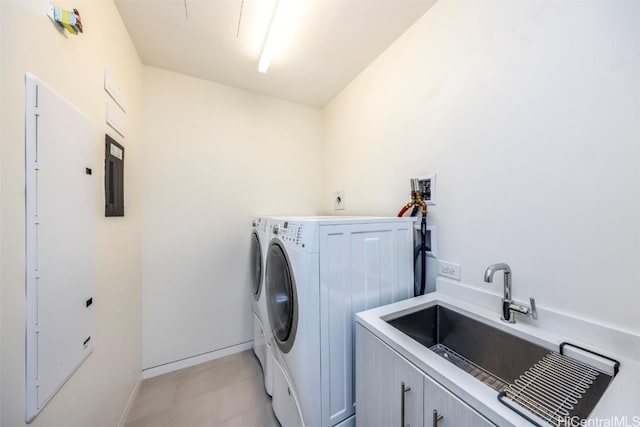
column 283, row 21
column 256, row 19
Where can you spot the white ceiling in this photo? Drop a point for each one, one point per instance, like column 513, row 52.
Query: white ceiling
column 334, row 41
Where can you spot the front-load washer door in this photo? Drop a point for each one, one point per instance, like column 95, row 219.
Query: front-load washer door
column 281, row 297
column 256, row 266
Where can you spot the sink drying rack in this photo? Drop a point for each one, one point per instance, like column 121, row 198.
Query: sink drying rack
column 554, row 389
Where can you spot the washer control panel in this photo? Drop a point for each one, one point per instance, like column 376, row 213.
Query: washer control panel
column 290, row 232
column 261, row 224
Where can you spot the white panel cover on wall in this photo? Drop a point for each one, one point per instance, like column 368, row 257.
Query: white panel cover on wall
column 60, row 220
column 361, row 266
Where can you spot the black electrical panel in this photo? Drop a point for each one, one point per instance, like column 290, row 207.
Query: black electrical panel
column 113, row 177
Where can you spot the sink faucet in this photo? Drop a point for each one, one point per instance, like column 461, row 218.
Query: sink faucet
column 508, row 306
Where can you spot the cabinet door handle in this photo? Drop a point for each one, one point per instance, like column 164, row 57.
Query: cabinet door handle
column 436, row 417
column 403, row 390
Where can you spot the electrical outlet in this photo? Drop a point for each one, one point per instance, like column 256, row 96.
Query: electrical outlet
column 338, row 201
column 427, row 185
column 449, row 269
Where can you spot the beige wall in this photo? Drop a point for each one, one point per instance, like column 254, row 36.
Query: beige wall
column 527, row 111
column 74, row 67
column 529, row 114
column 215, row 157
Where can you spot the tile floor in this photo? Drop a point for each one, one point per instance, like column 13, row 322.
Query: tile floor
column 226, row 392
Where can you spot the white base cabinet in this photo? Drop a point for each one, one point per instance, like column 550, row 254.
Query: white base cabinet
column 392, row 392
column 444, row 409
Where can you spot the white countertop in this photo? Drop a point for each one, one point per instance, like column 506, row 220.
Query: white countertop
column 622, row 398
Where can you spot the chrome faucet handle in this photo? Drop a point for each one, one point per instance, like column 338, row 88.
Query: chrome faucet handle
column 534, row 311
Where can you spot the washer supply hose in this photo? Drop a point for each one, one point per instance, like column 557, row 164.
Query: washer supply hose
column 403, row 210
column 418, row 203
column 423, row 249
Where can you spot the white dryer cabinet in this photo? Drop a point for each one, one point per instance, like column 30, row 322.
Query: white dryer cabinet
column 393, row 392
column 362, row 265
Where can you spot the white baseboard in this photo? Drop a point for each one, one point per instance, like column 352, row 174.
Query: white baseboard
column 195, row 360
column 132, row 398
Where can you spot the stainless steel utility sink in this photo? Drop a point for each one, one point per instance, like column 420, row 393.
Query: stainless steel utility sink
column 542, row 381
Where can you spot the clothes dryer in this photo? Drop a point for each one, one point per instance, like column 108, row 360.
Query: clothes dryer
column 320, row 271
column 261, row 328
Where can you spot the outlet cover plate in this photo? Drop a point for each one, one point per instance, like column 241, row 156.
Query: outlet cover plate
column 338, row 201
column 450, row 269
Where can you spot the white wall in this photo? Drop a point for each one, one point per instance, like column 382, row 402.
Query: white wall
column 1, row 204
column 529, row 112
column 97, row 393
column 215, row 157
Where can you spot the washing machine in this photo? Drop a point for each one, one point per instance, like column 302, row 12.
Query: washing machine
column 261, row 328
column 320, row 271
